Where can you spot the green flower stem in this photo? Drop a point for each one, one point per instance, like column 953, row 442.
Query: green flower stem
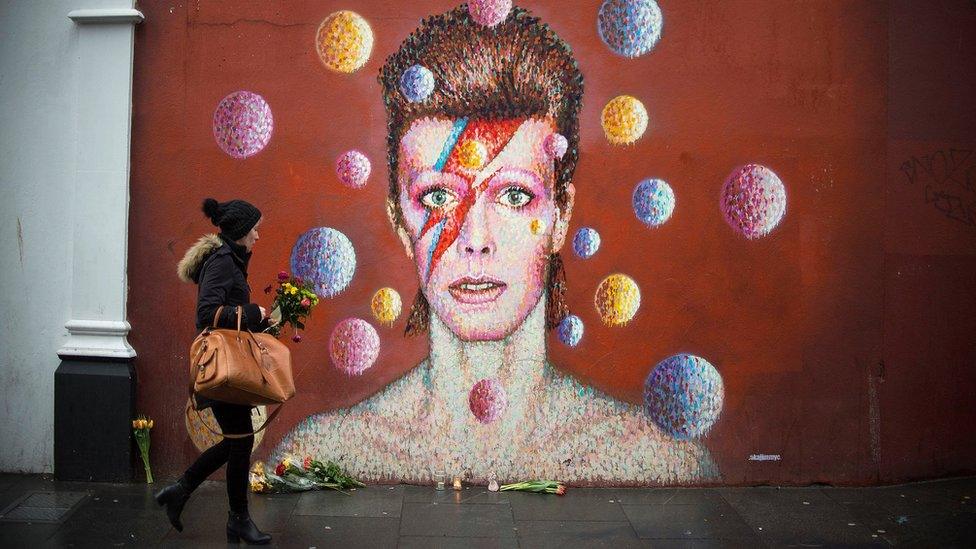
column 142, row 439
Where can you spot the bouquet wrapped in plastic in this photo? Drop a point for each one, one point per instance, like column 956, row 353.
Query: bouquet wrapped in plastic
column 289, row 475
column 140, row 428
column 293, row 303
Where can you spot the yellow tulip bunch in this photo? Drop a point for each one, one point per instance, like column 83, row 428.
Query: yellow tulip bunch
column 140, row 428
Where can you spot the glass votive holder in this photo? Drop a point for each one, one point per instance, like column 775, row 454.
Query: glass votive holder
column 440, row 479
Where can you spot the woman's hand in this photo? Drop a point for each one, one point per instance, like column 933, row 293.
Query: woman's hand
column 268, row 317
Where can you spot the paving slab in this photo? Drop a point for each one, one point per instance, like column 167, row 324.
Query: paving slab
column 448, row 520
column 562, row 534
column 584, row 504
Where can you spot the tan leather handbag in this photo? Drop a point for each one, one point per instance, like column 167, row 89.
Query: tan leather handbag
column 240, row 367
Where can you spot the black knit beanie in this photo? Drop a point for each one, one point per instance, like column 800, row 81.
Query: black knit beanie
column 235, row 218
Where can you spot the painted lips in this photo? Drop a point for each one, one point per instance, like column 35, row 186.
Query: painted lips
column 476, row 291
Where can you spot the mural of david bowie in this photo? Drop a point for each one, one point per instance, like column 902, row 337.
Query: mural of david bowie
column 481, row 196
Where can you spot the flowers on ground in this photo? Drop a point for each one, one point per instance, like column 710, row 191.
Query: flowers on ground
column 291, row 476
column 538, row 486
column 294, row 301
column 140, row 428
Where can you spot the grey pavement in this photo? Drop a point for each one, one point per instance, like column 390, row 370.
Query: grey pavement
column 36, row 511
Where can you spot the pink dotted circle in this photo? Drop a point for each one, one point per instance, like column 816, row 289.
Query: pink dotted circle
column 753, row 200
column 353, row 169
column 242, row 124
column 555, row 145
column 354, row 346
column 489, row 12
column 487, row 400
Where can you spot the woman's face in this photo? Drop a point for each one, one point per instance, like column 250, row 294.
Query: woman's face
column 480, row 219
column 251, row 237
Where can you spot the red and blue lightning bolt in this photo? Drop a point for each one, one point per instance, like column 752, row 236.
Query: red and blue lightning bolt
column 494, row 135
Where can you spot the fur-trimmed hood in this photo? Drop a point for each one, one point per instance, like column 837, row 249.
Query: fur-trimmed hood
column 189, row 266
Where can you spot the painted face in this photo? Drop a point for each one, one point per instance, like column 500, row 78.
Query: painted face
column 480, row 218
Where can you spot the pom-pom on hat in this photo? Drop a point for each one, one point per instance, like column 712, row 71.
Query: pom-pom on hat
column 235, row 218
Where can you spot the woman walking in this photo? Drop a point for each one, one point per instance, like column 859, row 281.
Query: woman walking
column 218, row 264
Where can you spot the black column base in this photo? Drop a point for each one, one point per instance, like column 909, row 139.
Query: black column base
column 94, row 404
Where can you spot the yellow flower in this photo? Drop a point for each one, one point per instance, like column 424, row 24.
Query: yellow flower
column 150, row 425
column 293, row 290
column 134, row 424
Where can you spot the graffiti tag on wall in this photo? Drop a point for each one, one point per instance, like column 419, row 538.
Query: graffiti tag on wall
column 948, row 180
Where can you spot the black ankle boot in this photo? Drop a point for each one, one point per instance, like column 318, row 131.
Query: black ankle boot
column 241, row 527
column 174, row 497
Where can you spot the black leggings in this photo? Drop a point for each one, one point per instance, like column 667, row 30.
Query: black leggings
column 235, row 452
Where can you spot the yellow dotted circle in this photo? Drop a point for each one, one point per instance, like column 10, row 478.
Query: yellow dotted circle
column 344, row 41
column 624, row 120
column 386, row 305
column 537, row 226
column 617, row 299
column 472, row 155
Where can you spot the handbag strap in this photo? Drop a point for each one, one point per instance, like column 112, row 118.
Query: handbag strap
column 218, row 433
column 220, row 309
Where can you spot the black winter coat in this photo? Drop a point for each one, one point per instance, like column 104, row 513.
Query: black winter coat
column 223, row 282
column 219, row 267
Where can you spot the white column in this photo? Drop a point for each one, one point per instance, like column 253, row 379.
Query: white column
column 100, row 209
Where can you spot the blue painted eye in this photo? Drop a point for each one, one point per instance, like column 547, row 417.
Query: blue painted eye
column 438, row 198
column 515, row 197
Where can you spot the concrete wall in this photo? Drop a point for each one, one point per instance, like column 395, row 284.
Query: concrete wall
column 37, row 162
column 40, row 107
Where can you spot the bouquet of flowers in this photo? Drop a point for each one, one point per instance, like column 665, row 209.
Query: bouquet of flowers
column 140, row 427
column 538, row 486
column 292, row 476
column 293, row 303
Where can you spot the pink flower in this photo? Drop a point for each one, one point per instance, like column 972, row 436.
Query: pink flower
column 280, row 469
column 297, row 338
column 306, row 303
column 307, row 463
column 283, row 276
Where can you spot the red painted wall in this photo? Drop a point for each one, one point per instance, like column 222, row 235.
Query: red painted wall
column 845, row 339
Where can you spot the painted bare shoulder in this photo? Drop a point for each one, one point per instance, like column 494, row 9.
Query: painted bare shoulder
column 366, row 439
column 606, row 440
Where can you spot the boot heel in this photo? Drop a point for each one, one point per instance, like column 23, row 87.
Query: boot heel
column 232, row 537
